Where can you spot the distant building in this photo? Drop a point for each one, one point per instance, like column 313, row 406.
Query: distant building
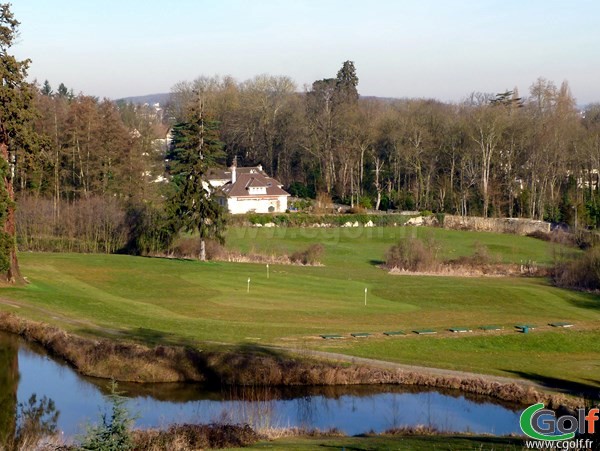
column 248, row 190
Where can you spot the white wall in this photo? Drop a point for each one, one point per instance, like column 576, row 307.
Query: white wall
column 240, row 205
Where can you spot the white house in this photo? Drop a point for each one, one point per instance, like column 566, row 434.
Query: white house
column 248, row 190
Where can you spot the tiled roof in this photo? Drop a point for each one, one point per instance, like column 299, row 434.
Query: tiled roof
column 246, row 180
column 225, row 174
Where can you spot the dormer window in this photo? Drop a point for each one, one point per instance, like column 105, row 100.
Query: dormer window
column 257, row 190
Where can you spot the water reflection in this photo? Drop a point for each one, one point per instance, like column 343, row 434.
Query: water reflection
column 352, row 409
column 9, row 380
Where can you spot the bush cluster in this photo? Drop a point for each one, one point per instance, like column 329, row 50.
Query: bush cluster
column 309, row 256
column 413, row 254
column 580, row 274
column 189, row 247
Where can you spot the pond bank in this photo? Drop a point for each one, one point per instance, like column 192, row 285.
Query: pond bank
column 251, row 366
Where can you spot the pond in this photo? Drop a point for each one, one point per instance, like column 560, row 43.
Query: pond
column 27, row 370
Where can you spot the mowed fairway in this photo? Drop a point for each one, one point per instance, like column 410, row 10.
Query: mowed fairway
column 175, row 301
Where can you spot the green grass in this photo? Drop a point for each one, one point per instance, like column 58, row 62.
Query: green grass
column 413, row 443
column 173, row 301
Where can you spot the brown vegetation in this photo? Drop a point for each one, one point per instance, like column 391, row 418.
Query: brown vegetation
column 189, row 247
column 413, row 254
column 245, row 366
column 94, row 224
column 580, row 274
column 309, row 256
column 481, row 261
column 183, row 437
column 323, row 204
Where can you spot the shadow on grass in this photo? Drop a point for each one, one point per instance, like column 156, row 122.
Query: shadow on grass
column 375, row 263
column 587, row 301
column 562, row 385
column 141, row 335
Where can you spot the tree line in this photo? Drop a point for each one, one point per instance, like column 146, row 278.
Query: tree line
column 91, row 178
column 96, row 175
column 534, row 156
column 490, row 155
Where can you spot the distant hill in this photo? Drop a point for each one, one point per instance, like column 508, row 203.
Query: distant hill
column 150, row 99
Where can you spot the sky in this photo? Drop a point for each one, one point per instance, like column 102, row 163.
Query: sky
column 442, row 49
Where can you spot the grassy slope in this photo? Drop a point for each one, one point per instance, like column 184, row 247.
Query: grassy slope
column 159, row 300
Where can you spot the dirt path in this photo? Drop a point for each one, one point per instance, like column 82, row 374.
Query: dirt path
column 58, row 317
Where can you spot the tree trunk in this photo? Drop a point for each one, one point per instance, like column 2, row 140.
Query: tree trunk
column 202, row 250
column 13, row 274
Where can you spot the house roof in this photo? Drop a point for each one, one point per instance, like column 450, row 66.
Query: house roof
column 219, row 174
column 246, row 180
column 225, row 174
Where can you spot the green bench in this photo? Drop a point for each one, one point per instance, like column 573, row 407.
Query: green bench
column 331, row 336
column 424, row 331
column 361, row 335
column 394, row 333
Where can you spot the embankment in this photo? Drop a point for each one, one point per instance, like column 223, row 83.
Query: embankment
column 248, row 365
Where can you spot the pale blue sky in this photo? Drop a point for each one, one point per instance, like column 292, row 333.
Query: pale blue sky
column 441, row 49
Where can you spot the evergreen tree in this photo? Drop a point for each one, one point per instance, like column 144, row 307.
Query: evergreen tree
column 15, row 118
column 195, row 148
column 114, row 431
column 46, row 89
column 346, row 83
column 62, row 90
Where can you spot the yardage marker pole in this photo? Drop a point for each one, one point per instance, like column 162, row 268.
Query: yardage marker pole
column 267, row 270
column 248, row 291
column 365, row 297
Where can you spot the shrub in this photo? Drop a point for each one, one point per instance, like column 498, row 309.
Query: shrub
column 365, row 202
column 539, row 235
column 189, row 247
column 149, row 230
column 558, row 236
column 357, row 210
column 323, row 203
column 309, row 256
column 479, row 259
column 412, row 254
column 580, row 274
column 440, row 218
column 586, row 239
column 114, row 431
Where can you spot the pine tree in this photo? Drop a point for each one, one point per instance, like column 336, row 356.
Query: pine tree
column 16, row 113
column 195, row 148
column 346, row 82
column 46, row 89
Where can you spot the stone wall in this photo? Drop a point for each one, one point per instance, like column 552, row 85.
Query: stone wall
column 518, row 226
